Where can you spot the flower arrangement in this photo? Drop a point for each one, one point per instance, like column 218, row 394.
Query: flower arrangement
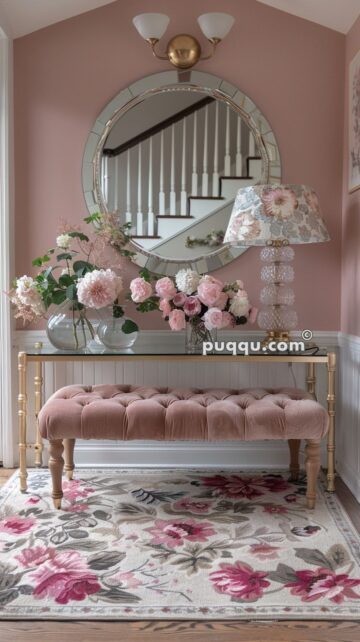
column 213, row 239
column 204, row 302
column 74, row 276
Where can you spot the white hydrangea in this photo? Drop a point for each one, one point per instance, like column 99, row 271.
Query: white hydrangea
column 26, row 290
column 69, row 271
column 63, row 241
column 187, row 281
column 239, row 306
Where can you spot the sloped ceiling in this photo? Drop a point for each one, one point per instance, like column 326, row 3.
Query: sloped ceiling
column 334, row 14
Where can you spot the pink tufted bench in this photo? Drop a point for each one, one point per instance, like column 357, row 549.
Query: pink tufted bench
column 127, row 412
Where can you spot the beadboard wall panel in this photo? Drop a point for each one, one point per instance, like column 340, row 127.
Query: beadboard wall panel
column 172, row 373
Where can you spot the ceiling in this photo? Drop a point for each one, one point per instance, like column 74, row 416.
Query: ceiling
column 25, row 16
column 335, row 14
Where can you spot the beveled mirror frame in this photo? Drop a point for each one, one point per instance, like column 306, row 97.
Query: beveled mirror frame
column 177, row 81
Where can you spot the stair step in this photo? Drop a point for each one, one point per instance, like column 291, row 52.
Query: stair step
column 169, row 225
column 164, row 216
column 198, row 206
column 254, row 167
column 230, row 185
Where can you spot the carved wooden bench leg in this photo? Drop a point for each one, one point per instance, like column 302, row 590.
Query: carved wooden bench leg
column 294, row 447
column 56, row 465
column 69, row 445
column 312, row 465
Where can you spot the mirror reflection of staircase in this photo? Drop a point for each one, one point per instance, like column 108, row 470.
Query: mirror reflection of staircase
column 177, row 179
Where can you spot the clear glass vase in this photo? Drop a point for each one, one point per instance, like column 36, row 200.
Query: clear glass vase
column 195, row 334
column 68, row 328
column 111, row 331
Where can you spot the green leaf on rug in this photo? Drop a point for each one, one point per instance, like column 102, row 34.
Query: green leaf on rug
column 8, row 596
column 78, row 534
column 102, row 515
column 314, row 556
column 137, row 512
column 283, row 574
column 59, row 538
column 103, row 561
column 117, row 595
column 338, row 555
column 81, row 546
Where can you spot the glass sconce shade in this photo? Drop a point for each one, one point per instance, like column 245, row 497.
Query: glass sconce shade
column 215, row 25
column 151, row 25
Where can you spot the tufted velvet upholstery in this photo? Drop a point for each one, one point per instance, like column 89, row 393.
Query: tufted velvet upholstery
column 137, row 412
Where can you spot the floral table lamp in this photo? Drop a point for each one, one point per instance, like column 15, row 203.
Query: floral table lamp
column 276, row 216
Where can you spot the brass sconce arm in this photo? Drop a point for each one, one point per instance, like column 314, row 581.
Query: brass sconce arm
column 153, row 42
column 214, row 42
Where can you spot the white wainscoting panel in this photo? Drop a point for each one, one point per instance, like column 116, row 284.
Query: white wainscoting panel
column 348, row 413
column 174, row 373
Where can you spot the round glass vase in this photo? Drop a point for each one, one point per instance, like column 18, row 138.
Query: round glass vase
column 68, row 328
column 195, row 335
column 111, row 333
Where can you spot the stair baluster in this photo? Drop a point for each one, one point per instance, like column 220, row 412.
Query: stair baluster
column 252, row 147
column 194, row 177
column 161, row 192
column 238, row 161
column 150, row 221
column 215, row 176
column 172, row 177
column 205, row 175
column 116, row 183
column 183, row 196
column 227, row 159
column 128, row 215
column 105, row 178
column 139, row 216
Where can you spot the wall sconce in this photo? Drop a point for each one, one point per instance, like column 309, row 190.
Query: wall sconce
column 183, row 51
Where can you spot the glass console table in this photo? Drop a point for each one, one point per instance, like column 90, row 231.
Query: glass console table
column 40, row 355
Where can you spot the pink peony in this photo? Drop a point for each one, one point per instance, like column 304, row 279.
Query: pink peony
column 179, row 299
column 248, row 487
column 193, row 505
column 140, row 289
column 240, row 581
column 125, row 579
column 177, row 320
column 65, row 577
column 165, row 288
column 99, row 288
column 213, row 318
column 253, row 314
column 209, row 292
column 192, row 306
column 165, row 307
column 176, row 532
column 222, row 301
column 227, row 320
column 33, row 557
column 16, row 525
column 323, row 583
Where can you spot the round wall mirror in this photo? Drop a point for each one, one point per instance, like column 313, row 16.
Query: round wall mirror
column 168, row 155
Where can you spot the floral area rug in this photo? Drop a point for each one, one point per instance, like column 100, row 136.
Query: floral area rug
column 133, row 544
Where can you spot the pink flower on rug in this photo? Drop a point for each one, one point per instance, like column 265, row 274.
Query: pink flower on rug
column 174, row 533
column 99, row 288
column 209, row 292
column 249, row 487
column 140, row 290
column 165, row 288
column 33, row 557
column 77, row 508
column 192, row 505
column 33, row 500
column 323, row 583
column 192, row 306
column 65, row 577
column 274, row 509
column 179, row 299
column 213, row 318
column 72, row 490
column 16, row 525
column 264, row 551
column 177, row 320
column 240, row 581
column 126, row 580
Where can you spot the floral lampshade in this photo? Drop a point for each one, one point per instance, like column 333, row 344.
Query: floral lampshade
column 276, row 216
column 266, row 213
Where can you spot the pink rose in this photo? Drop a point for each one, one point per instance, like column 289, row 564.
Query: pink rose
column 222, row 301
column 177, row 320
column 16, row 525
column 192, row 306
column 179, row 299
column 165, row 308
column 209, row 292
column 213, row 318
column 140, row 289
column 165, row 288
column 253, row 314
column 227, row 320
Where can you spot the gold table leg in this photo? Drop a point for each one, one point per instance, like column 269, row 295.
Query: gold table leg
column 22, row 419
column 331, row 366
column 311, row 379
column 38, row 381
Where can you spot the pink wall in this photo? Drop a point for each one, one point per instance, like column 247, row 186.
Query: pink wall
column 350, row 299
column 292, row 68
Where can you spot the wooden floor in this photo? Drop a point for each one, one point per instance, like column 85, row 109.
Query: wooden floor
column 189, row 631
